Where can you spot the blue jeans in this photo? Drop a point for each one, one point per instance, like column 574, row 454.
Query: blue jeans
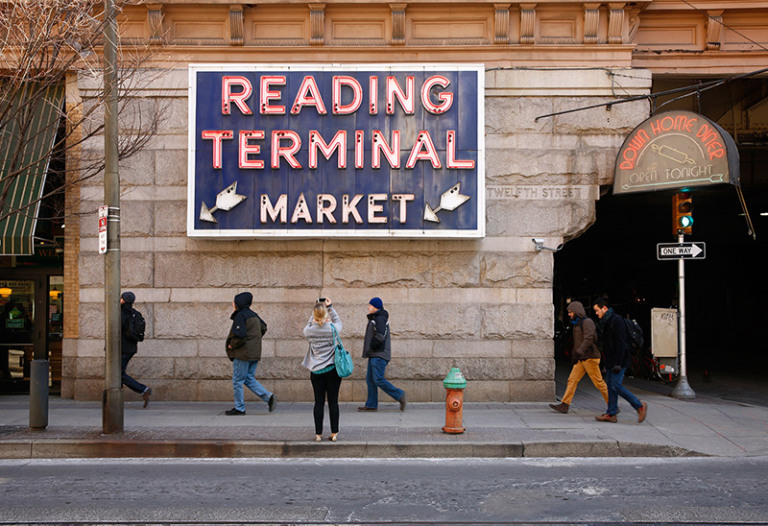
column 243, row 374
column 130, row 383
column 374, row 378
column 614, row 380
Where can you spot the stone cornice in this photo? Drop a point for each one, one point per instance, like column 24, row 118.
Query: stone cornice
column 609, row 33
column 705, row 5
column 519, row 56
column 435, row 3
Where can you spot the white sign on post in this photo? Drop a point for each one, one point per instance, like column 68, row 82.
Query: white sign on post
column 693, row 250
column 664, row 339
column 103, row 211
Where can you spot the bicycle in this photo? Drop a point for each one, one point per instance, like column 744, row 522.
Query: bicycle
column 645, row 365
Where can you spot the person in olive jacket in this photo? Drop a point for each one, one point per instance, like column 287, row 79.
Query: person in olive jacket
column 244, row 349
column 585, row 356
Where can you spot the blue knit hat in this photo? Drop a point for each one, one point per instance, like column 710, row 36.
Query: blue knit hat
column 377, row 303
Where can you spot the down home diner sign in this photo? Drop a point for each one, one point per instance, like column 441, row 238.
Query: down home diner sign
column 331, row 150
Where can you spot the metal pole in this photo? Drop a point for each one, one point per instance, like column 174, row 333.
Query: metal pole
column 682, row 389
column 38, row 373
column 112, row 405
column 38, row 395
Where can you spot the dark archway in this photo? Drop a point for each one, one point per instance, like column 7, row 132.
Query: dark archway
column 726, row 292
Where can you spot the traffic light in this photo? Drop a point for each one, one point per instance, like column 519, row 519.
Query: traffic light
column 682, row 214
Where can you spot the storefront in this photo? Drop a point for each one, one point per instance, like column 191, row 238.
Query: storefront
column 280, row 173
column 32, row 317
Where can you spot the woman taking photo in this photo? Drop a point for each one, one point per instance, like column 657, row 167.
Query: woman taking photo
column 320, row 361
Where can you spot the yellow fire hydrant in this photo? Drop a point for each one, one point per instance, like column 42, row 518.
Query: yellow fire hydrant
column 454, row 384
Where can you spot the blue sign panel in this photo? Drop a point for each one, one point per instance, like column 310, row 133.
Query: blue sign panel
column 327, row 151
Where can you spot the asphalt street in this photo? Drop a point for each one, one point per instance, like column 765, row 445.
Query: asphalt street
column 395, row 491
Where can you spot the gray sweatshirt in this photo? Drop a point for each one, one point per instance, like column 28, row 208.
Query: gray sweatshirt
column 321, row 350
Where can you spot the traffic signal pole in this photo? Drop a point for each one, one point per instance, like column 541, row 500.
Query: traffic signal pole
column 682, row 390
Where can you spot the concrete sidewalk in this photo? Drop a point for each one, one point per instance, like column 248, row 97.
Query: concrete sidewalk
column 704, row 426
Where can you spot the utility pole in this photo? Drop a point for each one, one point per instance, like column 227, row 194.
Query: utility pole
column 112, row 405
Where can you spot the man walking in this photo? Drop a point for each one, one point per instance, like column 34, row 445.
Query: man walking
column 129, row 346
column 615, row 340
column 585, row 357
column 377, row 347
column 244, row 349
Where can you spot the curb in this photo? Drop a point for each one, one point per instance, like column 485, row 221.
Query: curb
column 57, row 449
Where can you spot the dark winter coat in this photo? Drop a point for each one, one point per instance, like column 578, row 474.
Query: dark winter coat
column 378, row 340
column 584, row 334
column 244, row 340
column 127, row 346
column 615, row 340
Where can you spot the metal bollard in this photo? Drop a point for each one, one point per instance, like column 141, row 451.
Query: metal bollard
column 38, row 395
column 454, row 384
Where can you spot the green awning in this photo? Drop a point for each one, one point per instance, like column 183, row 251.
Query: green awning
column 27, row 135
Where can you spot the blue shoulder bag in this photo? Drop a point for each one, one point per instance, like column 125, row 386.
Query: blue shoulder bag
column 342, row 359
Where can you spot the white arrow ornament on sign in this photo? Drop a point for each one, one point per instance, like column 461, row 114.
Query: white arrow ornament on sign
column 450, row 200
column 227, row 199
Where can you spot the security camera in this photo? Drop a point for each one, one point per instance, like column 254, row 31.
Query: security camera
column 538, row 244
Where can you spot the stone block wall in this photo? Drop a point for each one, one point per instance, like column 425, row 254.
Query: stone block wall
column 484, row 306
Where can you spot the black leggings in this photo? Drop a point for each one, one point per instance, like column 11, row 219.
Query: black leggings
column 326, row 384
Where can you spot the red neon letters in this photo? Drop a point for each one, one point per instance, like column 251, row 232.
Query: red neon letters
column 237, row 91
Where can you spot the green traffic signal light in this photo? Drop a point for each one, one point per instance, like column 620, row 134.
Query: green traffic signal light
column 682, row 213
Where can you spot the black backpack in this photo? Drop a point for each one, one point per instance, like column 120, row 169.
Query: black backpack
column 635, row 333
column 136, row 327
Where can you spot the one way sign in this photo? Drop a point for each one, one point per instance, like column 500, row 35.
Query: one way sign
column 681, row 250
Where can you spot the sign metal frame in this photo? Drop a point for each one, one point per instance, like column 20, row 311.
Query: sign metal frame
column 446, row 208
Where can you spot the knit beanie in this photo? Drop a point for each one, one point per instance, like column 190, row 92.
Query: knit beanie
column 128, row 297
column 377, row 303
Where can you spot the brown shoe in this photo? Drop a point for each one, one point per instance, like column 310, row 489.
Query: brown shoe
column 145, row 395
column 642, row 412
column 364, row 408
column 606, row 418
column 562, row 407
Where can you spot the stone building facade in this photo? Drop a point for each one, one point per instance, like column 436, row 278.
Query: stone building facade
column 483, row 305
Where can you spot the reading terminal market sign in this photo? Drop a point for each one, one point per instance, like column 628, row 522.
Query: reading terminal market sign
column 336, row 151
